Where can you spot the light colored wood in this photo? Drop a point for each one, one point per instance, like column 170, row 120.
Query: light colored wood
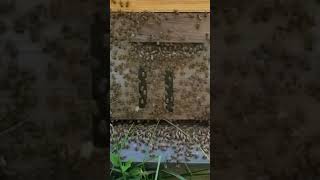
column 182, row 30
column 160, row 5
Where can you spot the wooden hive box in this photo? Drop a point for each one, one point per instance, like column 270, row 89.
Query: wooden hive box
column 186, row 23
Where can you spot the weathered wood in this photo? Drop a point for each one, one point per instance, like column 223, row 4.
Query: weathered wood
column 160, row 5
column 176, row 29
column 190, row 88
column 185, row 107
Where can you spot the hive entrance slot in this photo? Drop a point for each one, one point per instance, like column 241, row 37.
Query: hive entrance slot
column 142, row 87
column 169, row 90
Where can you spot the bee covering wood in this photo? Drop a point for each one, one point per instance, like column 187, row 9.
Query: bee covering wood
column 142, row 87
column 169, row 90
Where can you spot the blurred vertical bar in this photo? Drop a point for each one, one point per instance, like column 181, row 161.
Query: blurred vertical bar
column 100, row 82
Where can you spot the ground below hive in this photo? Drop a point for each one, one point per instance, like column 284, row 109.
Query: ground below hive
column 175, row 143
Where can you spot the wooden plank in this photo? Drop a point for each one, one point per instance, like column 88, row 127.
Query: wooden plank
column 160, row 5
column 188, row 102
column 182, row 28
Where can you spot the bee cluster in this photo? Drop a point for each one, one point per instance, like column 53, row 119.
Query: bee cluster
column 169, row 90
column 121, row 3
column 152, row 140
column 158, row 79
column 125, row 26
column 142, row 88
column 167, row 54
column 181, row 58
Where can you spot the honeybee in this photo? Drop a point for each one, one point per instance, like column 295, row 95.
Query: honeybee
column 126, row 146
column 199, row 17
column 207, row 36
column 204, row 157
column 178, row 164
column 197, row 25
column 123, row 157
column 195, row 156
column 152, row 155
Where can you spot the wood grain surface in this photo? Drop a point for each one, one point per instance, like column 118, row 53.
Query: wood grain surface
column 160, row 5
column 180, row 28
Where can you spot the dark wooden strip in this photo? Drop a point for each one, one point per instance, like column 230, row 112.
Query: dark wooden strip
column 169, row 90
column 184, row 28
column 142, row 87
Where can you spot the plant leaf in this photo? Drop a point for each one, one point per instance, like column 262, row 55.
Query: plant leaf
column 115, row 160
column 157, row 172
column 174, row 174
column 116, row 170
column 135, row 178
column 136, row 171
column 147, row 173
column 188, row 169
column 126, row 166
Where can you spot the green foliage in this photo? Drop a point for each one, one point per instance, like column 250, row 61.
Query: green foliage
column 174, row 174
column 132, row 171
column 157, row 173
column 128, row 170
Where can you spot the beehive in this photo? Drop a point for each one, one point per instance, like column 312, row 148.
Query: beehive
column 172, row 48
